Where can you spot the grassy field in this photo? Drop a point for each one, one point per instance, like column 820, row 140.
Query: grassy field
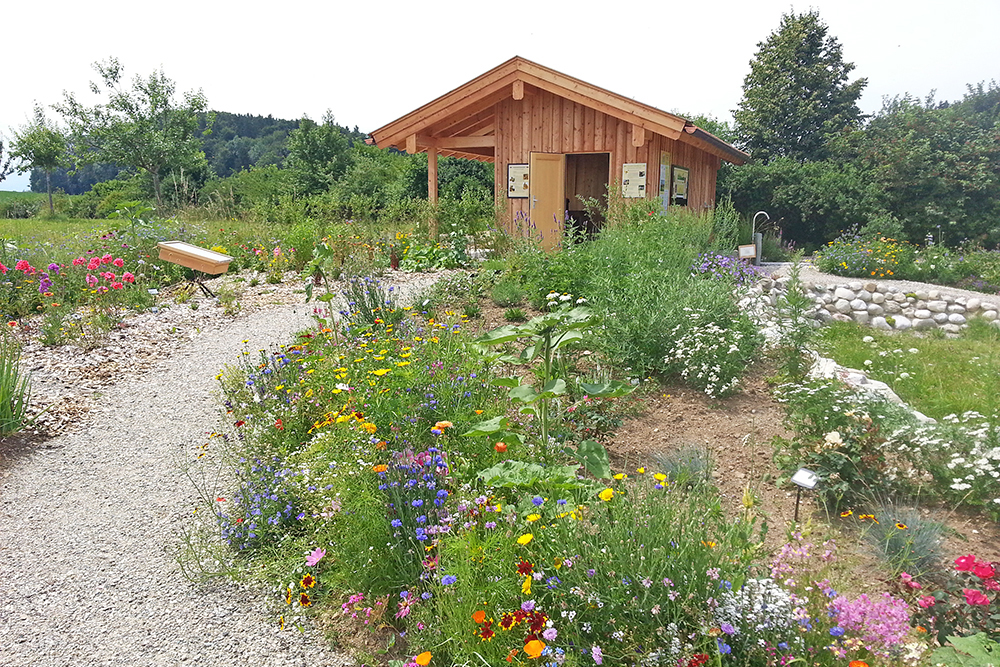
column 936, row 375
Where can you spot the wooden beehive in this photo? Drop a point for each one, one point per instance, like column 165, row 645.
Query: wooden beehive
column 194, row 257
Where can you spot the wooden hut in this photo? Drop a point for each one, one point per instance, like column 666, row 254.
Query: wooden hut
column 555, row 141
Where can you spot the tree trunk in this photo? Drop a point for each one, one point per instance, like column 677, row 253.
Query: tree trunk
column 156, row 189
column 48, row 188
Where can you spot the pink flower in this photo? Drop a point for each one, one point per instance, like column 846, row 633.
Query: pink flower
column 107, row 275
column 908, row 580
column 991, row 585
column 91, row 280
column 119, row 262
column 128, row 277
column 984, row 570
column 315, row 557
column 3, row 269
column 94, row 264
column 974, row 597
column 79, row 261
column 965, row 563
column 927, row 601
column 22, row 265
column 106, row 259
column 116, row 286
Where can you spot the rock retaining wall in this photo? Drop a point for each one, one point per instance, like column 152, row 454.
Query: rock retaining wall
column 889, row 308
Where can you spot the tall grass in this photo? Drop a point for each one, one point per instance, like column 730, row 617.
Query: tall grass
column 15, row 388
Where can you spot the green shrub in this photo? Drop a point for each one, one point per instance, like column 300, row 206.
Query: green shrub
column 507, row 293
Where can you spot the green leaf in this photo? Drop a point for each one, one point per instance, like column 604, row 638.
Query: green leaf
column 505, row 382
column 524, row 393
column 488, row 427
column 503, row 334
column 594, row 458
column 553, row 388
column 611, row 389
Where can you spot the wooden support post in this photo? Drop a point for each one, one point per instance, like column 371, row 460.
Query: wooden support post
column 432, row 189
column 517, row 90
column 411, row 144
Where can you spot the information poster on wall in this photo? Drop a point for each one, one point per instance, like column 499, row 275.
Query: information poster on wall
column 680, row 186
column 517, row 181
column 634, row 180
column 664, row 178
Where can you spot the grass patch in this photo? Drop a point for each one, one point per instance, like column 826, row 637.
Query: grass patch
column 936, row 375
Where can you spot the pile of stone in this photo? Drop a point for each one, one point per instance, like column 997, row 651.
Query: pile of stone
column 887, row 307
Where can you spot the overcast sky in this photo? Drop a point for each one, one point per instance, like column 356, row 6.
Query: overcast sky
column 371, row 62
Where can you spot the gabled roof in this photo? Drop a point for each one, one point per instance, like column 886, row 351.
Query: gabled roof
column 462, row 121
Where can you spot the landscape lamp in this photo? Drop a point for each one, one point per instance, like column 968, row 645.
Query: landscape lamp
column 803, row 479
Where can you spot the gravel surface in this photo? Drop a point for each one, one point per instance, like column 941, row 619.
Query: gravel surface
column 89, row 520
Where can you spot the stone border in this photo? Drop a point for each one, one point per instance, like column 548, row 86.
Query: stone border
column 887, row 307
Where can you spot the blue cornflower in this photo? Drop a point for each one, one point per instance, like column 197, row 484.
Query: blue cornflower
column 448, row 579
column 537, row 501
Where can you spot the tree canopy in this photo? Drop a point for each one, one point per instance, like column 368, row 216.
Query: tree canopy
column 143, row 127
column 318, row 154
column 40, row 145
column 797, row 93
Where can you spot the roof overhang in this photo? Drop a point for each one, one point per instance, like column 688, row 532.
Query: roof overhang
column 461, row 122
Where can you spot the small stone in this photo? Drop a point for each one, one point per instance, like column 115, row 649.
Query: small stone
column 922, row 314
column 902, row 323
column 875, row 310
column 843, row 306
column 881, row 324
column 860, row 316
column 972, row 305
column 940, row 318
column 923, row 324
column 937, row 306
column 870, row 287
column 934, row 295
column 865, row 295
column 991, row 316
column 858, row 304
column 956, row 318
column 955, row 308
column 951, row 328
column 921, row 295
column 878, row 297
column 844, row 293
column 840, row 317
column 857, row 287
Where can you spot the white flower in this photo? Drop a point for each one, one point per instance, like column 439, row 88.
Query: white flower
column 565, row 297
column 833, row 438
column 867, row 339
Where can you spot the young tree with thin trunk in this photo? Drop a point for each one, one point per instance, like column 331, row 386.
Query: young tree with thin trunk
column 40, row 145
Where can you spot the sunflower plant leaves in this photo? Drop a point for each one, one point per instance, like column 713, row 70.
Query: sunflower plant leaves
column 973, row 651
column 612, row 389
column 488, row 427
column 520, row 474
column 594, row 458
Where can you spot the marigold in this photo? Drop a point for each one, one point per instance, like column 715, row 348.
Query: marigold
column 380, row 468
column 478, row 616
column 424, row 659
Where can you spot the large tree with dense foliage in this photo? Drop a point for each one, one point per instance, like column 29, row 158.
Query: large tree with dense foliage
column 6, row 163
column 319, row 154
column 144, row 127
column 797, row 92
column 40, row 146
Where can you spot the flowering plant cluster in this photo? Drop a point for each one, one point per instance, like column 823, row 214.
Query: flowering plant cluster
column 864, row 256
column 967, row 603
column 712, row 356
column 724, row 267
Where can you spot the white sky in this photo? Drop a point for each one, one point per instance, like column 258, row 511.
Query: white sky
column 371, row 62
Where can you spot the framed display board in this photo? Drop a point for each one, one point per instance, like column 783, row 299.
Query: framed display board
column 517, row 181
column 664, row 178
column 679, row 186
column 634, row 180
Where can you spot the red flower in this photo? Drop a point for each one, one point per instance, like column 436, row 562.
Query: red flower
column 991, row 585
column 507, row 621
column 501, row 447
column 239, row 423
column 965, row 563
column 983, row 570
column 698, row 659
column 278, row 425
column 974, row 597
column 524, row 568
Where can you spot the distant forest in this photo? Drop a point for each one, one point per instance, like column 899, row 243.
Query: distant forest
column 236, row 142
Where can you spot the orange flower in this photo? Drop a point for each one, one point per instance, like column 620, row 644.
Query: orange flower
column 479, row 616
column 857, row 663
column 443, row 425
column 501, row 447
column 380, row 468
column 535, row 647
column 424, row 659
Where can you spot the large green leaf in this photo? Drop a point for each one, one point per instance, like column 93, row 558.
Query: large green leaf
column 503, row 334
column 505, row 382
column 488, row 427
column 524, row 393
column 611, row 389
column 521, row 474
column 594, row 458
column 553, row 388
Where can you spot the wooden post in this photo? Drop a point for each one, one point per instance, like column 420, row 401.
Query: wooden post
column 517, row 90
column 432, row 189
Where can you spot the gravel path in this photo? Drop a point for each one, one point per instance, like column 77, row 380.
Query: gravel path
column 88, row 523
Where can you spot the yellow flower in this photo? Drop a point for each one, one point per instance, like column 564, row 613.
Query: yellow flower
column 534, row 517
column 526, row 586
column 660, row 477
column 620, row 476
column 641, row 471
column 380, row 372
column 370, row 427
column 606, row 494
column 524, row 539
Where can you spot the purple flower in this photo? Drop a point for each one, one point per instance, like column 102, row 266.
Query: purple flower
column 597, row 654
column 528, row 605
column 537, row 501
column 728, row 629
column 448, row 579
column 549, row 634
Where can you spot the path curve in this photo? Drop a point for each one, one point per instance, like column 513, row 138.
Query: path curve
column 88, row 522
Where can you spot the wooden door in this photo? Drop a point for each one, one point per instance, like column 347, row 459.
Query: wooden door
column 547, row 179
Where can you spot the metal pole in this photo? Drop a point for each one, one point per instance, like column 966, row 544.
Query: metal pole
column 798, row 494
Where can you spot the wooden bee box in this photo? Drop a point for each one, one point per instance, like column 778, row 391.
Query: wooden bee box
column 194, row 257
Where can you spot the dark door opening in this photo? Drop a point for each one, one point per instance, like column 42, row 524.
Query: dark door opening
column 586, row 179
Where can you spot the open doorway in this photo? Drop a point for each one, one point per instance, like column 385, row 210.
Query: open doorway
column 587, row 177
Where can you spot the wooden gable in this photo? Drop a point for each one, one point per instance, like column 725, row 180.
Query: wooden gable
column 463, row 122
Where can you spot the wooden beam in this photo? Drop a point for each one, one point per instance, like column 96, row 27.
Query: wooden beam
column 638, row 136
column 411, row 144
column 517, row 89
column 432, row 189
column 459, row 142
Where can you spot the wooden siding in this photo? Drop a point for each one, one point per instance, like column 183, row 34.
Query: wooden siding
column 544, row 122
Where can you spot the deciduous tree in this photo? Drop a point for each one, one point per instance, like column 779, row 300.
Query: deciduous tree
column 143, row 127
column 318, row 154
column 40, row 145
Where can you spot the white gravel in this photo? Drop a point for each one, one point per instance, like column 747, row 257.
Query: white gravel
column 88, row 523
